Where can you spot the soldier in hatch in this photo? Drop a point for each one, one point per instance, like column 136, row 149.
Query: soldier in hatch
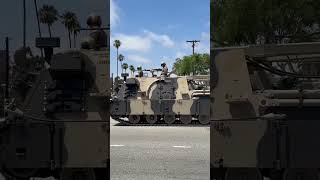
column 164, row 69
column 140, row 72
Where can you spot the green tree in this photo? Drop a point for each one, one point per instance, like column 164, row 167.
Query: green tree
column 117, row 44
column 242, row 22
column 132, row 69
column 125, row 67
column 48, row 15
column 121, row 58
column 198, row 64
column 70, row 21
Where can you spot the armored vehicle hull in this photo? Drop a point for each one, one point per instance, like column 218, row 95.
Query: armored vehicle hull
column 161, row 100
column 265, row 109
column 58, row 119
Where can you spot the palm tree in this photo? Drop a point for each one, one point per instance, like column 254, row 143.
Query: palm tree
column 48, row 15
column 121, row 58
column 132, row 69
column 125, row 67
column 70, row 21
column 75, row 33
column 117, row 44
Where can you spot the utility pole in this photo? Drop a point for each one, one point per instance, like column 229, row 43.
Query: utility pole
column 194, row 42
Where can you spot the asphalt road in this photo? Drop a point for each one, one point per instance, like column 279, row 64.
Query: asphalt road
column 159, row 153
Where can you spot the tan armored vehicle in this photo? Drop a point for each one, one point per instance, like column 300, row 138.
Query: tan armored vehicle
column 163, row 100
column 58, row 115
column 265, row 112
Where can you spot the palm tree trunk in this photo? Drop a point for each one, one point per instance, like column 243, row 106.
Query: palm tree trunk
column 74, row 40
column 49, row 27
column 117, row 63
column 69, row 39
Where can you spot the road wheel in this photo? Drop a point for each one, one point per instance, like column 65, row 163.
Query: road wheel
column 134, row 119
column 78, row 174
column 185, row 119
column 300, row 174
column 169, row 119
column 243, row 174
column 203, row 119
column 151, row 119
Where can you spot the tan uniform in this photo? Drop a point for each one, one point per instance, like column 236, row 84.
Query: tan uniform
column 164, row 71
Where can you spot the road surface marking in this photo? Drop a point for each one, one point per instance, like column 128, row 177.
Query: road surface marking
column 116, row 145
column 182, row 147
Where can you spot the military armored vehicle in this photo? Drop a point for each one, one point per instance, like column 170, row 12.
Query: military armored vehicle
column 265, row 112
column 57, row 121
column 162, row 100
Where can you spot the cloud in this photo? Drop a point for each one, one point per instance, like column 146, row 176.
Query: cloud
column 114, row 13
column 138, row 59
column 133, row 42
column 144, row 42
column 163, row 39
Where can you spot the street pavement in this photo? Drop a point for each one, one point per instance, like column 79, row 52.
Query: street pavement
column 159, row 153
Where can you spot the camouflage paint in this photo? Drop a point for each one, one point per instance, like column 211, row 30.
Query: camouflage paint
column 159, row 97
column 75, row 144
column 242, row 137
